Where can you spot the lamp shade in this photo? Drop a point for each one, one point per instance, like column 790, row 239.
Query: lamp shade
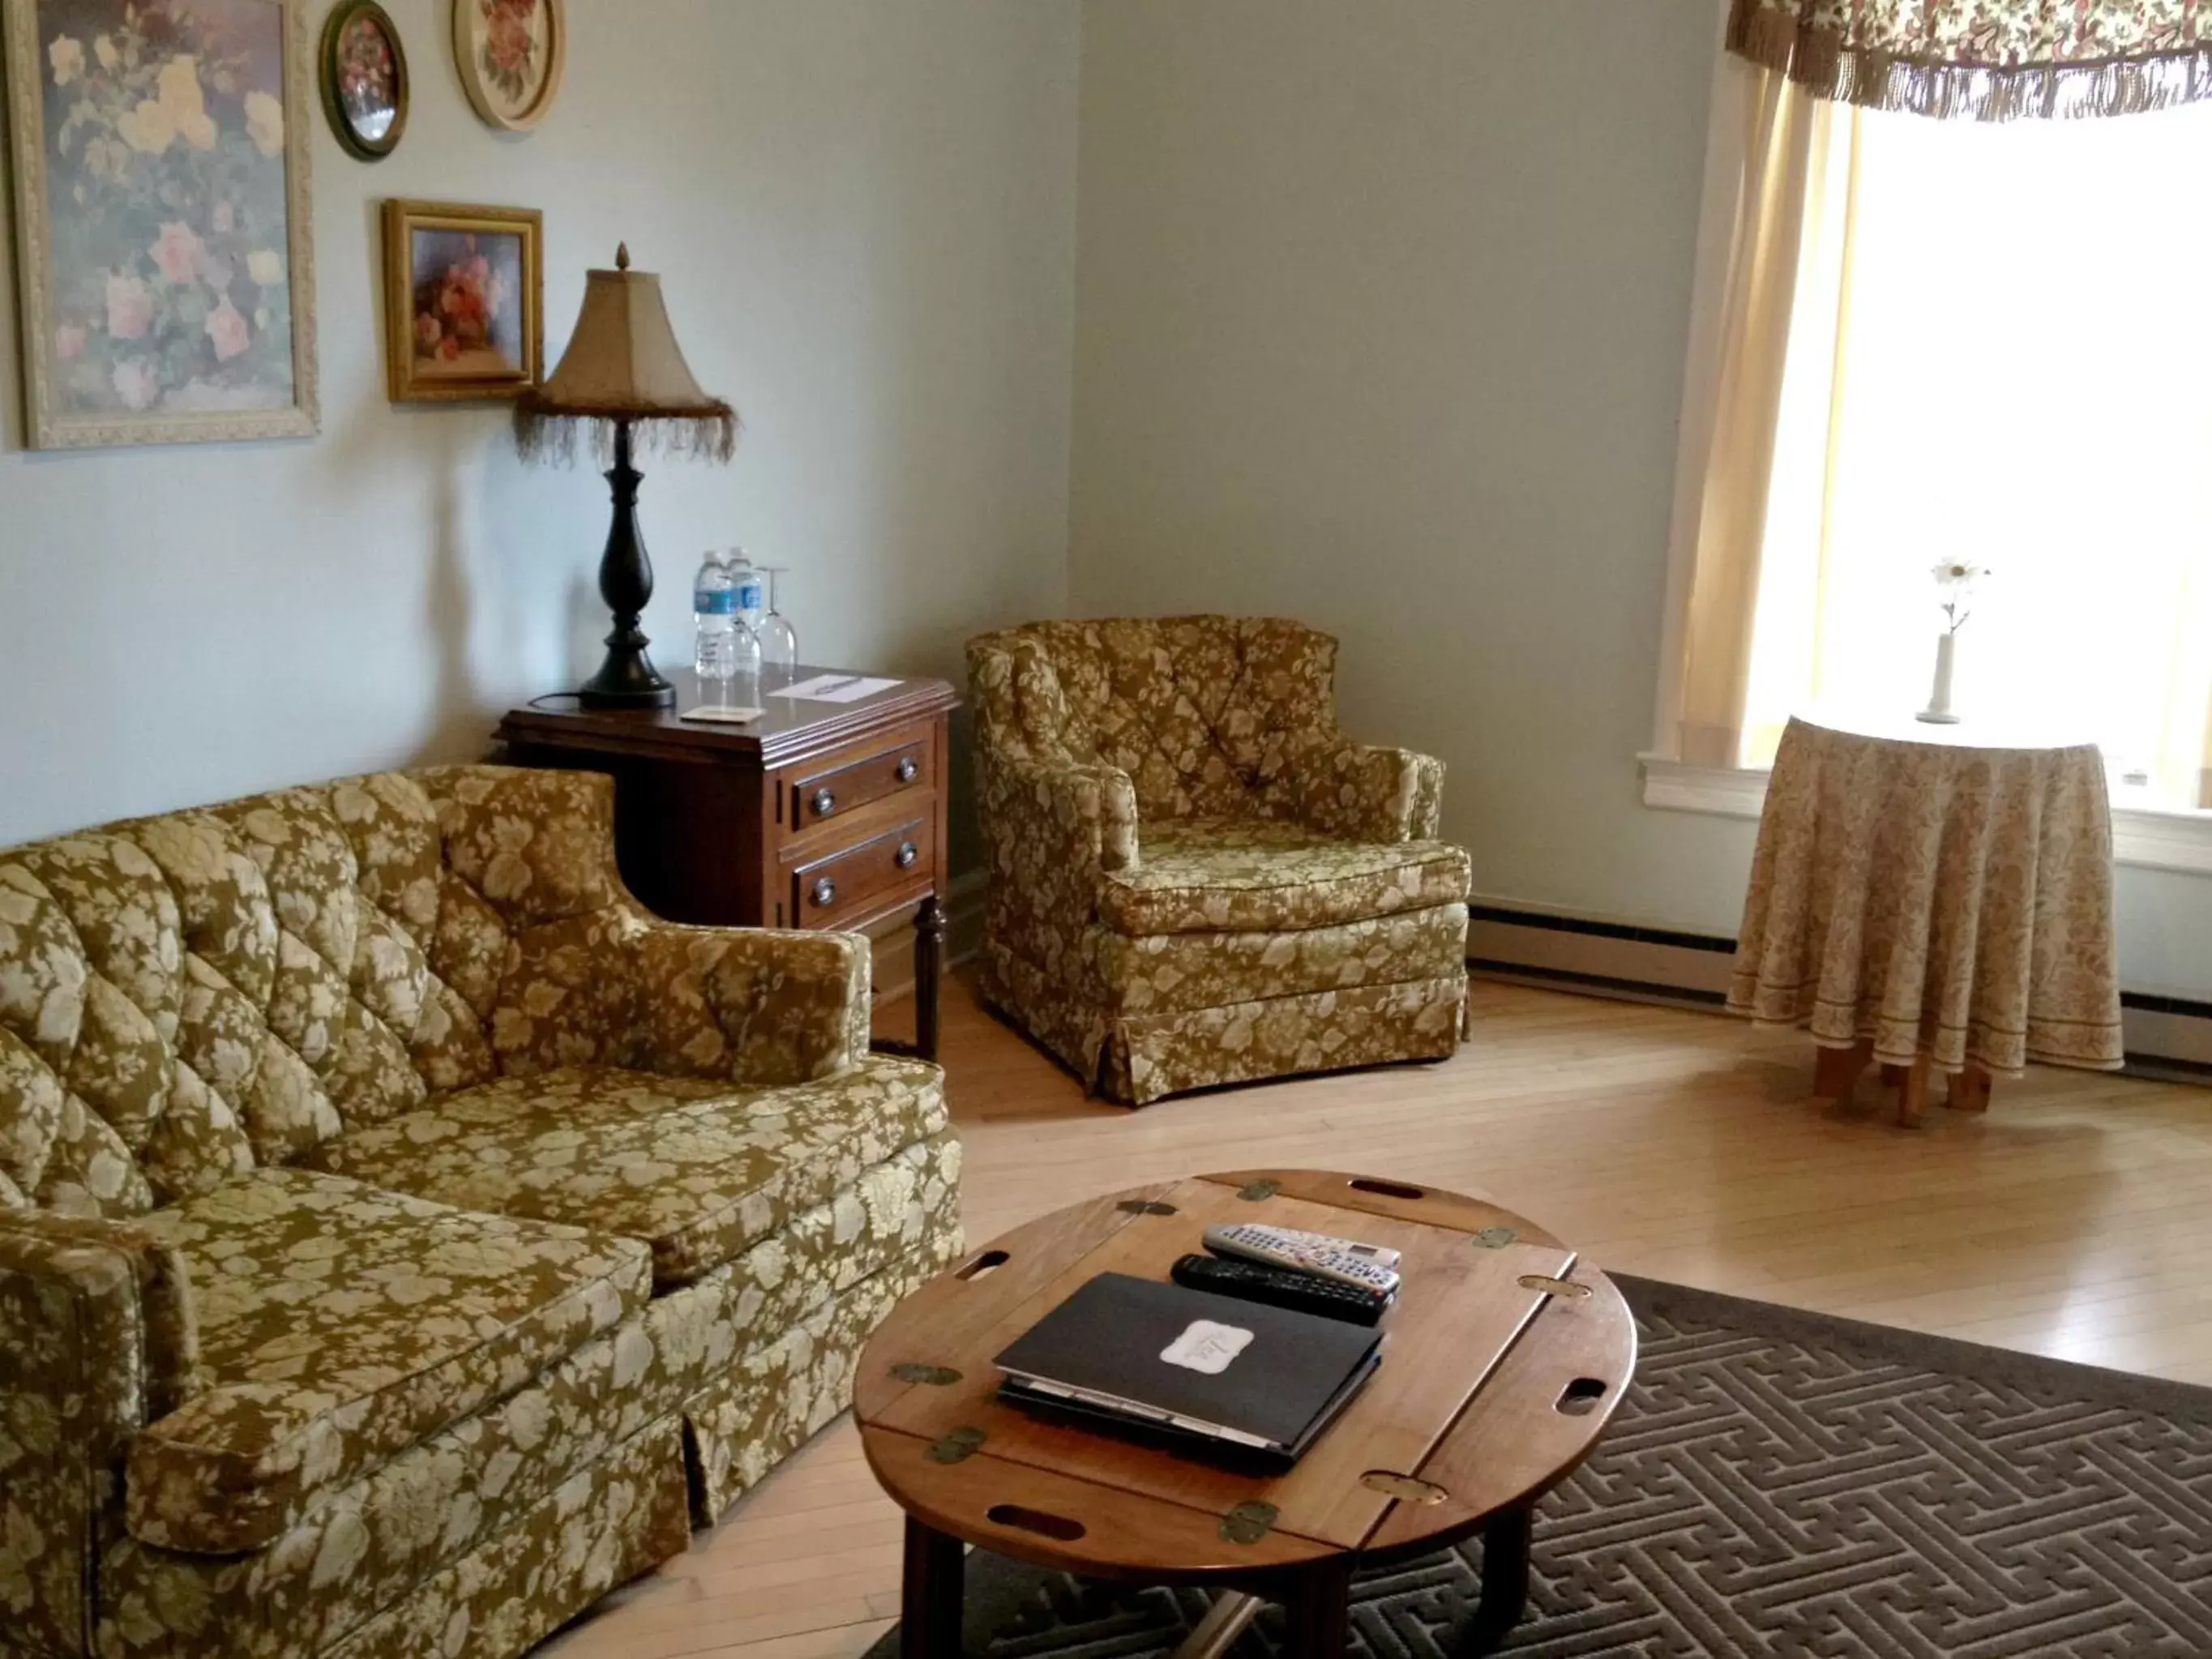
column 623, row 367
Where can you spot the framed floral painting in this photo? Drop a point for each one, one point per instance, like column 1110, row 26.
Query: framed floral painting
column 163, row 231
column 364, row 79
column 511, row 55
column 464, row 301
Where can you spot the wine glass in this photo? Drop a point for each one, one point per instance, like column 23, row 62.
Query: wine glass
column 779, row 640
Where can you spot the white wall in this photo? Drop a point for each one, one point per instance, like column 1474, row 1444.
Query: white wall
column 864, row 214
column 1381, row 321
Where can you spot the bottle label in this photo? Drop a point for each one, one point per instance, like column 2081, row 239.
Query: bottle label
column 724, row 604
column 749, row 596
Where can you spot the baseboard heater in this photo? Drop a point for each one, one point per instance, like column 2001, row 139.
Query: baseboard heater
column 2166, row 1036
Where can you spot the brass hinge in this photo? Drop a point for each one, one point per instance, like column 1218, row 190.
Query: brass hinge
column 1248, row 1522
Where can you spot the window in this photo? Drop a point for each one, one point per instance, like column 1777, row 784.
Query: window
column 2002, row 357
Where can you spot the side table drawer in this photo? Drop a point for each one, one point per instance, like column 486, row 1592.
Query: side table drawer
column 831, row 891
column 836, row 786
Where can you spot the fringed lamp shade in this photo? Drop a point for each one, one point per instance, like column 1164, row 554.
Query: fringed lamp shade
column 622, row 364
column 624, row 380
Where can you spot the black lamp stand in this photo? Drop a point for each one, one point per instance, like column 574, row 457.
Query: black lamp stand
column 627, row 679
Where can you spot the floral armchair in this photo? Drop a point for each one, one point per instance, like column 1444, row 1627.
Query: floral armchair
column 404, row 1237
column 1196, row 878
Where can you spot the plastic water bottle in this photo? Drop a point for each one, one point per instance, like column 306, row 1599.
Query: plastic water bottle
column 714, row 618
column 752, row 584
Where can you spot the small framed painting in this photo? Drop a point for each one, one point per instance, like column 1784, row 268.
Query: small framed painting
column 464, row 293
column 165, row 259
column 511, row 55
column 364, row 79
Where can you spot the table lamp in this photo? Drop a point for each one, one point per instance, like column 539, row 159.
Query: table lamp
column 624, row 380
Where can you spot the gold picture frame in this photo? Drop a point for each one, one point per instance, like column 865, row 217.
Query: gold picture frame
column 511, row 56
column 464, row 301
column 164, row 220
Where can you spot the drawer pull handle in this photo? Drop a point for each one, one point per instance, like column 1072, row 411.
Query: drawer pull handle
column 824, row 803
column 907, row 771
column 906, row 855
column 825, row 891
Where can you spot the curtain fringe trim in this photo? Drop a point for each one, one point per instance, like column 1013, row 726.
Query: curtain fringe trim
column 1828, row 66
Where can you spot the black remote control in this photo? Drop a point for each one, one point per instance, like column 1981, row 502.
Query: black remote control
column 1280, row 1287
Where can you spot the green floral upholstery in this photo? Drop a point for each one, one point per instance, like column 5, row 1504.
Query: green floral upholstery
column 1242, row 875
column 697, row 1169
column 1174, row 824
column 402, row 1233
column 340, row 1324
column 99, row 1339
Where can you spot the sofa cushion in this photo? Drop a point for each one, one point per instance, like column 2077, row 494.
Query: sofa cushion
column 340, row 1324
column 1266, row 875
column 701, row 1170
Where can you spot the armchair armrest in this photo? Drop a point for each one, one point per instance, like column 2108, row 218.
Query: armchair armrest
column 96, row 1323
column 1051, row 829
column 754, row 1004
column 1363, row 793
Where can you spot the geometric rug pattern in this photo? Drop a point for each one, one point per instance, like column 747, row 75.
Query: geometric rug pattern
column 1787, row 1485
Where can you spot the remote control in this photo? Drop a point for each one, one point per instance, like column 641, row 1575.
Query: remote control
column 1280, row 1287
column 1305, row 1253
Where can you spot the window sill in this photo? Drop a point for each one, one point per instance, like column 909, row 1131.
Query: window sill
column 2149, row 838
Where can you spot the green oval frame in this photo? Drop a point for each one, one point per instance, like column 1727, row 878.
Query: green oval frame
column 354, row 145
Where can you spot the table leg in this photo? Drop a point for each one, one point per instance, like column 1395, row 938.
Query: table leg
column 1505, row 1539
column 930, row 1594
column 928, row 957
column 1317, row 1614
column 1910, row 1083
column 1224, row 1621
column 1836, row 1071
column 1970, row 1090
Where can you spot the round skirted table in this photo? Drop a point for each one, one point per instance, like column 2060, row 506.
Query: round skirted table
column 1933, row 899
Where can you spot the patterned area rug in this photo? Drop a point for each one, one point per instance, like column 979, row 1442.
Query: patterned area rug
column 1786, row 1484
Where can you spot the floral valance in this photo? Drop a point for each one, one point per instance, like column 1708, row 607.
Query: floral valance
column 1990, row 60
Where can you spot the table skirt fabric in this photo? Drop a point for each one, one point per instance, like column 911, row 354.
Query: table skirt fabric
column 1934, row 899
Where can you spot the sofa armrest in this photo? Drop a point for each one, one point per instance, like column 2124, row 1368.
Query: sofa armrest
column 1363, row 793
column 96, row 1325
column 758, row 1006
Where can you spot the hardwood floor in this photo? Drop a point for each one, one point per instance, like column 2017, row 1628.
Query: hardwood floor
column 2073, row 1220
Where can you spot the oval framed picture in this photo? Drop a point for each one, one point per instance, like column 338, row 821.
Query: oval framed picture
column 511, row 55
column 364, row 72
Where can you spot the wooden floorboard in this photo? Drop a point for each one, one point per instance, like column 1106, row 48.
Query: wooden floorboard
column 2074, row 1219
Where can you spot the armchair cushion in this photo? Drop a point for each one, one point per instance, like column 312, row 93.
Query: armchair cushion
column 700, row 1169
column 340, row 1325
column 1265, row 875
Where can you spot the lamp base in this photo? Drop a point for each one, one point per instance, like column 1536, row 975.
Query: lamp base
column 627, row 679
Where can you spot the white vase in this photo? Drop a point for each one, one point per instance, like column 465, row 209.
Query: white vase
column 1938, row 712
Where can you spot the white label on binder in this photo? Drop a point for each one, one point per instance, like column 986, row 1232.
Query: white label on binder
column 1206, row 1347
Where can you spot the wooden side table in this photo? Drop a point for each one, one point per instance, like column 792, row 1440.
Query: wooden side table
column 1506, row 1359
column 818, row 815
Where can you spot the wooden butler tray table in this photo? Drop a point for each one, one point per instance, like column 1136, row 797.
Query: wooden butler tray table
column 1506, row 1359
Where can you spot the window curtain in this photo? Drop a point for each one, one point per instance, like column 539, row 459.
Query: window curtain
column 1989, row 60
column 1782, row 230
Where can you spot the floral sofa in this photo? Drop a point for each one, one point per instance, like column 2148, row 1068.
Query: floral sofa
column 1196, row 878
column 403, row 1238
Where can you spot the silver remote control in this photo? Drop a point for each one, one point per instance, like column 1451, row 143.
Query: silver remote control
column 1343, row 1260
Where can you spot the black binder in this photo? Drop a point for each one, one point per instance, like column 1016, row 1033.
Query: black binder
column 1188, row 1363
